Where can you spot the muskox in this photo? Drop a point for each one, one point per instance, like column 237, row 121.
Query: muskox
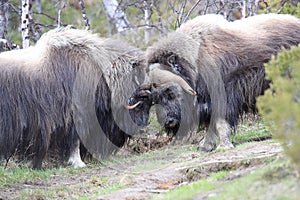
column 70, row 87
column 224, row 63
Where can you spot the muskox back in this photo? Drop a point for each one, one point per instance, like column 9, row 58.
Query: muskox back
column 68, row 85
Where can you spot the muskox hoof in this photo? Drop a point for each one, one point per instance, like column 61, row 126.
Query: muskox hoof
column 207, row 147
column 76, row 163
column 33, row 165
column 225, row 146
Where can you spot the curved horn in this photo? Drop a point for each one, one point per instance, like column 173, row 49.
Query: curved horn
column 160, row 77
column 133, row 106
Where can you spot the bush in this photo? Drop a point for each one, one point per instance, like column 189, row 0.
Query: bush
column 280, row 106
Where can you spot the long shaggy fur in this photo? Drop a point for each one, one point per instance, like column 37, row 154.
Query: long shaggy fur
column 213, row 55
column 41, row 90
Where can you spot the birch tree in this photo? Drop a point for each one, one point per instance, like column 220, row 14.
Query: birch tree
column 25, row 23
column 84, row 16
column 117, row 16
column 60, row 5
column 3, row 25
column 147, row 16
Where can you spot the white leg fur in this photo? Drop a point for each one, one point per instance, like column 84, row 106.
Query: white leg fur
column 223, row 128
column 75, row 159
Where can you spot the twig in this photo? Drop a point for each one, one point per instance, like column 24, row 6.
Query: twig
column 191, row 10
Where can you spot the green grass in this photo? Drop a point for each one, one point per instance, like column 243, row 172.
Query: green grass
column 80, row 191
column 14, row 175
column 191, row 190
column 251, row 131
column 36, row 184
column 26, row 180
column 276, row 180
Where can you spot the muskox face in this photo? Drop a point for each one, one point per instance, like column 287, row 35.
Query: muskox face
column 173, row 106
column 139, row 105
column 167, row 100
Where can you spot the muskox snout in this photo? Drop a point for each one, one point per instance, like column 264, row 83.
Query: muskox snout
column 171, row 122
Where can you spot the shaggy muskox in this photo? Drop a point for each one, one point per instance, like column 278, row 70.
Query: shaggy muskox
column 223, row 62
column 71, row 85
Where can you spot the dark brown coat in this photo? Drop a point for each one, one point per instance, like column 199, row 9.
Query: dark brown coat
column 71, row 83
column 207, row 49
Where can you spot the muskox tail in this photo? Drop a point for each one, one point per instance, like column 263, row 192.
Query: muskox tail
column 242, row 87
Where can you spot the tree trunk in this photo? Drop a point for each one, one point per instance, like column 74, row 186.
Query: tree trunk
column 147, row 16
column 60, row 5
column 3, row 25
column 245, row 9
column 38, row 5
column 117, row 16
column 83, row 12
column 25, row 23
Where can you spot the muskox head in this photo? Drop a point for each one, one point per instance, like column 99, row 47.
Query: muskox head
column 167, row 99
column 172, row 97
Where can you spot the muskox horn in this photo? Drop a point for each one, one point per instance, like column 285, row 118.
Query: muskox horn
column 159, row 77
column 133, row 106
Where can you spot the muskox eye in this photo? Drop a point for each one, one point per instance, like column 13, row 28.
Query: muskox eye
column 177, row 67
column 169, row 94
column 172, row 61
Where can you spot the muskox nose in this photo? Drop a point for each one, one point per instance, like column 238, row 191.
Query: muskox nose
column 171, row 122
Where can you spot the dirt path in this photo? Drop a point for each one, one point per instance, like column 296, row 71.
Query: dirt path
column 186, row 168
column 138, row 177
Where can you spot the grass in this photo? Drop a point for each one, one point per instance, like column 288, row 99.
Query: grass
column 38, row 184
column 89, row 183
column 251, row 131
column 276, row 180
column 80, row 191
column 191, row 190
column 15, row 175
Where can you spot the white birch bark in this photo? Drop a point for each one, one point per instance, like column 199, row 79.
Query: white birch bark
column 25, row 24
column 245, row 9
column 3, row 25
column 3, row 19
column 116, row 14
column 60, row 5
column 147, row 22
column 84, row 16
column 38, row 5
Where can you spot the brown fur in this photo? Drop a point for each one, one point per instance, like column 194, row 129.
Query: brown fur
column 71, row 83
column 206, row 49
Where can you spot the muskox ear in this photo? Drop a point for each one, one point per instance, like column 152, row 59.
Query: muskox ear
column 171, row 60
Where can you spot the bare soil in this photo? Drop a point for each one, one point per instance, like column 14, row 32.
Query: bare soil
column 192, row 166
column 141, row 176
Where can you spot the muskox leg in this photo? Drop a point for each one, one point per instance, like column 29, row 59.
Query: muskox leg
column 40, row 148
column 75, row 159
column 219, row 129
column 223, row 129
column 210, row 141
column 72, row 147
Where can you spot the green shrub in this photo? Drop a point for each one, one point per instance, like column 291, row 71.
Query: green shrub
column 280, row 106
